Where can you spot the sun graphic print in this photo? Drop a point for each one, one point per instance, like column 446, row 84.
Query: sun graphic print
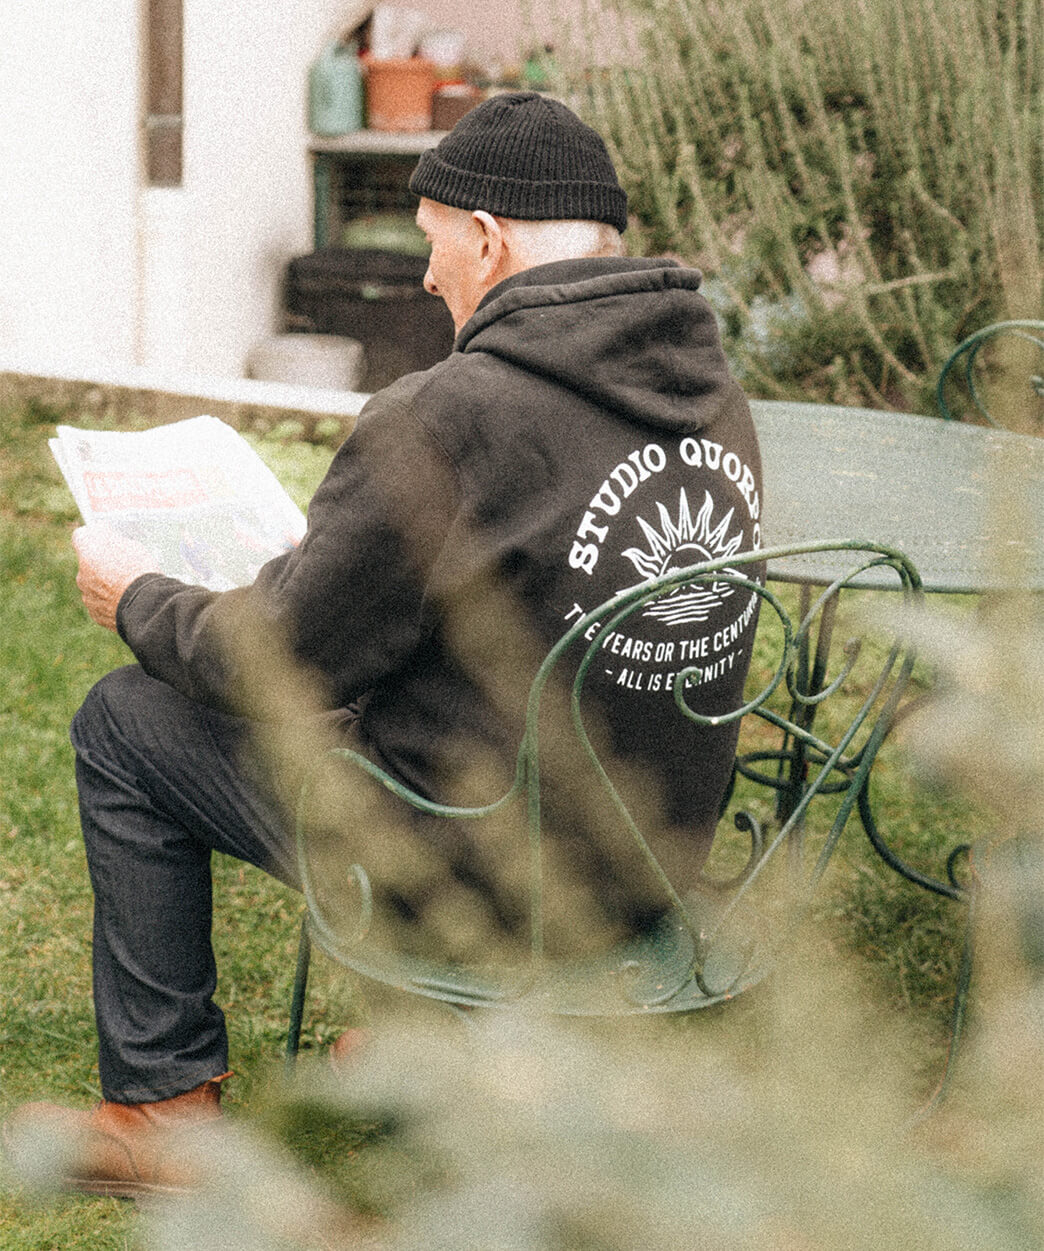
column 678, row 544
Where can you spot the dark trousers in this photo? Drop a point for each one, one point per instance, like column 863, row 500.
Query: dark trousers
column 162, row 783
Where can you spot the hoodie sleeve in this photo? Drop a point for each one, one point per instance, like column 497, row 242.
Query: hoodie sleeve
column 349, row 601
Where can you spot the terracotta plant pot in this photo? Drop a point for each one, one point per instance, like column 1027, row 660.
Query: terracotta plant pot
column 399, row 94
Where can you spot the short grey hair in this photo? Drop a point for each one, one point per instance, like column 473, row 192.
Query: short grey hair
column 562, row 240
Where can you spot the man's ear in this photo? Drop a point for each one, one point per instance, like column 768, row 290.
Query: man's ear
column 494, row 244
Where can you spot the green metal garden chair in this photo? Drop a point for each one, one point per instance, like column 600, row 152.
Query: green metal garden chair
column 973, row 372
column 721, row 931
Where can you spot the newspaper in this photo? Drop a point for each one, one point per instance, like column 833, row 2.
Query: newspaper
column 194, row 492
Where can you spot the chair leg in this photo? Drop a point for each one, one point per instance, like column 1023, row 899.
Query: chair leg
column 293, row 1038
column 960, row 999
column 958, row 1012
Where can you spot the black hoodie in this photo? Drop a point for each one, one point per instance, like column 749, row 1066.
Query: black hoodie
column 583, row 435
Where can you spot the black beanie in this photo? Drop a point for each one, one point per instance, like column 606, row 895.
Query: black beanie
column 526, row 156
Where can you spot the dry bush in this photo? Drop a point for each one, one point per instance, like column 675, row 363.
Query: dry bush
column 860, row 181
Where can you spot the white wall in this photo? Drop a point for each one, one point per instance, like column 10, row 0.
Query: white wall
column 68, row 180
column 97, row 270
column 498, row 32
column 247, row 177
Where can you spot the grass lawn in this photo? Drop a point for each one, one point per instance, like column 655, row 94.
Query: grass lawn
column 50, row 654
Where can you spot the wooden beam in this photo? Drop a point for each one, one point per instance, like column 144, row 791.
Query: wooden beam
column 164, row 51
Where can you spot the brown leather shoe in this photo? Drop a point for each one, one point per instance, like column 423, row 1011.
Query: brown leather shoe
column 124, row 1150
column 345, row 1049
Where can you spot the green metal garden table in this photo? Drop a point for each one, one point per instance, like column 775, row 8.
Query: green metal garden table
column 965, row 503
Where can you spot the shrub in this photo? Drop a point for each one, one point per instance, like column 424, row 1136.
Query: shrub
column 860, row 181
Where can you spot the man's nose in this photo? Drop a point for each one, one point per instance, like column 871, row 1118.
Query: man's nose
column 429, row 283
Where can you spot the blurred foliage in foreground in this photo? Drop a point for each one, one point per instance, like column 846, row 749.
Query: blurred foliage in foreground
column 791, row 1121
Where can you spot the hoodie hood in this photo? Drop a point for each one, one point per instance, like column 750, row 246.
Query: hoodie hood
column 633, row 336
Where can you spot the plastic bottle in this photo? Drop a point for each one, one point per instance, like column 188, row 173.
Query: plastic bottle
column 335, row 93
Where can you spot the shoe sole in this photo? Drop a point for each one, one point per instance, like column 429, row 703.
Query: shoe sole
column 123, row 1189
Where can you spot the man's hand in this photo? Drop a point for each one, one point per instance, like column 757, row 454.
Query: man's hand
column 109, row 563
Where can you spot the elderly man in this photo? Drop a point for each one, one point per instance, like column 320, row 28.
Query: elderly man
column 583, row 435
